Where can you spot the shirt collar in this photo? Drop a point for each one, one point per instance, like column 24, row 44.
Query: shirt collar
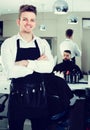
column 19, row 37
column 67, row 39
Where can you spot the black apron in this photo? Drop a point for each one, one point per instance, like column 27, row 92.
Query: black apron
column 25, row 96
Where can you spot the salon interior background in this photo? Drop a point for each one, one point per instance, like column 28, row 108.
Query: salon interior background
column 55, row 30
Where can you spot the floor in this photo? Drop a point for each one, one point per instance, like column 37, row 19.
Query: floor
column 4, row 125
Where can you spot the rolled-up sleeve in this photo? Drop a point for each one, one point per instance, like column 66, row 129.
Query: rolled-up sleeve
column 77, row 50
column 8, row 54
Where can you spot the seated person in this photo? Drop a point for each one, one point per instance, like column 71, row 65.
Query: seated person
column 67, row 66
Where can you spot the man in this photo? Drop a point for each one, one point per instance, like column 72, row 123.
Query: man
column 68, row 44
column 67, row 66
column 26, row 58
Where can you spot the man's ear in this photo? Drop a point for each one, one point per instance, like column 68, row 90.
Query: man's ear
column 18, row 22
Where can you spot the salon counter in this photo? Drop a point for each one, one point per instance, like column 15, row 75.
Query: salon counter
column 80, row 85
column 4, row 84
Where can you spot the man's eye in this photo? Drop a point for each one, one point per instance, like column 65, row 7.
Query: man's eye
column 24, row 19
column 32, row 20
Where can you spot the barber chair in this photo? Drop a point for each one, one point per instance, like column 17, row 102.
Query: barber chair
column 77, row 115
column 59, row 117
column 3, row 112
column 60, row 121
column 2, row 105
column 87, row 108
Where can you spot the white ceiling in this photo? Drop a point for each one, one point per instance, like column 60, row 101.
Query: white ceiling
column 12, row 6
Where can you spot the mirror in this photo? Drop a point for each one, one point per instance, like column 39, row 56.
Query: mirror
column 56, row 26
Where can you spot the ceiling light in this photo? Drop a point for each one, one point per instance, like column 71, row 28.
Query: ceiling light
column 60, row 7
column 72, row 20
column 42, row 27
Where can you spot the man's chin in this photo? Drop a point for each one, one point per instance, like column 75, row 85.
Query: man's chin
column 65, row 59
column 27, row 32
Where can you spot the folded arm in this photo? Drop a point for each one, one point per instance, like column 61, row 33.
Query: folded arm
column 44, row 64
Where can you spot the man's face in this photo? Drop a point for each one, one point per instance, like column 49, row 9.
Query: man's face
column 27, row 22
column 66, row 56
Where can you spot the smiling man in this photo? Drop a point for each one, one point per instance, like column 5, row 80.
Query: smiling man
column 26, row 58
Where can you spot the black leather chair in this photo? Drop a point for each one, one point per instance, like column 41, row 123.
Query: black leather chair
column 87, row 108
column 59, row 117
column 3, row 98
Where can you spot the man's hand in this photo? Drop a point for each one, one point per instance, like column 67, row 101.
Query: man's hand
column 25, row 62
column 43, row 57
column 22, row 63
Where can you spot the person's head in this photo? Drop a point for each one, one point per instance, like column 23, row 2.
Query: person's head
column 69, row 33
column 67, row 55
column 27, row 18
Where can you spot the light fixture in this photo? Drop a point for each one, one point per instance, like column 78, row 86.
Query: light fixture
column 72, row 19
column 60, row 7
column 42, row 26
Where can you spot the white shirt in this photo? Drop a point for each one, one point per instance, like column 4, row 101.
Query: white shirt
column 68, row 44
column 8, row 55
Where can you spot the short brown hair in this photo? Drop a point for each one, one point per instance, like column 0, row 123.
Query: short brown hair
column 28, row 8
